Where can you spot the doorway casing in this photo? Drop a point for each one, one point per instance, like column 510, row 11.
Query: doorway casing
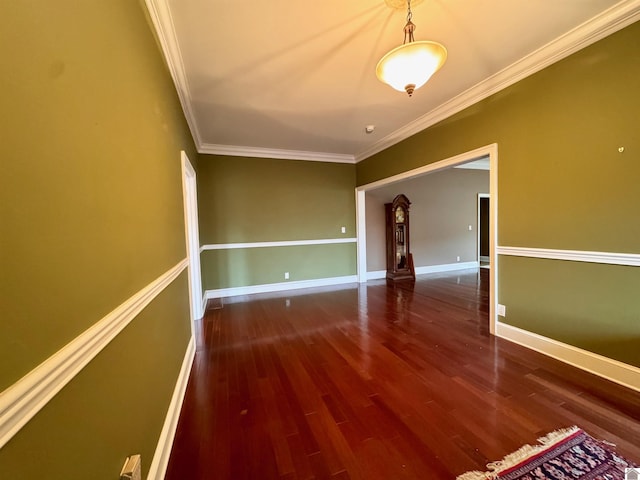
column 489, row 150
column 190, row 197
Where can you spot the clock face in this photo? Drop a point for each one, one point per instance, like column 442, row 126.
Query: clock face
column 399, row 215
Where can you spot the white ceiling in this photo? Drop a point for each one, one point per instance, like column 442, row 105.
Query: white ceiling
column 297, row 79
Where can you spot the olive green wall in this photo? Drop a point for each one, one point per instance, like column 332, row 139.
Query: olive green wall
column 562, row 182
column 589, row 305
column 91, row 212
column 114, row 407
column 244, row 200
column 260, row 266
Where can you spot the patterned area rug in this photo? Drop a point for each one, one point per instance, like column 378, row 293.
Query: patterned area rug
column 561, row 455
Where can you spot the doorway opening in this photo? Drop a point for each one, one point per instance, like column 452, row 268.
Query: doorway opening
column 484, row 237
column 490, row 152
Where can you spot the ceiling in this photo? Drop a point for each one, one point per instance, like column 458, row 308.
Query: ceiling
column 296, row 79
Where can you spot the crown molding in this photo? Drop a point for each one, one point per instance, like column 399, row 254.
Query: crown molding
column 610, row 21
column 161, row 18
column 160, row 15
column 238, row 151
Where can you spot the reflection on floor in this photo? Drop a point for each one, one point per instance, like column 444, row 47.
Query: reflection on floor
column 380, row 380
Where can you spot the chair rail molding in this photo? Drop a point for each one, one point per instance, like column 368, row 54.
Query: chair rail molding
column 284, row 243
column 24, row 399
column 611, row 258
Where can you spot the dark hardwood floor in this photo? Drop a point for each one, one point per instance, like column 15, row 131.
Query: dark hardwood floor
column 377, row 382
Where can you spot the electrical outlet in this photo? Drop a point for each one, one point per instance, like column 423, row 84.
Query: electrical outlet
column 344, row 229
column 132, row 469
column 470, row 227
column 457, row 259
column 286, row 275
column 502, row 310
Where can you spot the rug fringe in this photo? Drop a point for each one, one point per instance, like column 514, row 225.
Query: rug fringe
column 555, row 436
column 475, row 475
column 524, row 452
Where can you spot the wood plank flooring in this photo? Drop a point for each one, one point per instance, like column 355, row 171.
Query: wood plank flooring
column 377, row 382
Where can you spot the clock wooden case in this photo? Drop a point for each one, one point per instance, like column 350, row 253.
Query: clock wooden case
column 399, row 264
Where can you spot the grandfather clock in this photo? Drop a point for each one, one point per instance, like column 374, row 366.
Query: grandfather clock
column 399, row 266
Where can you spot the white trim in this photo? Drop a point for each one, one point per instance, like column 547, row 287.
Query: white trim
column 606, row 23
column 204, row 301
column 240, row 151
column 447, row 267
column 24, row 399
column 629, row 259
column 361, row 236
column 432, row 167
column 376, row 275
column 488, row 150
column 493, row 240
column 286, row 243
column 610, row 21
column 192, row 238
column 162, row 20
column 279, row 287
column 160, row 461
column 618, row 372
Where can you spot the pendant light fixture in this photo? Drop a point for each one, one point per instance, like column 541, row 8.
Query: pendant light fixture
column 409, row 66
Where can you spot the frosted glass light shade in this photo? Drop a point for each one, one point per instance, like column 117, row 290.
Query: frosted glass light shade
column 409, row 66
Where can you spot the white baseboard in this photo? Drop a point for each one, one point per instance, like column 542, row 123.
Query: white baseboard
column 278, row 287
column 448, row 267
column 376, row 275
column 618, row 372
column 25, row 398
column 165, row 442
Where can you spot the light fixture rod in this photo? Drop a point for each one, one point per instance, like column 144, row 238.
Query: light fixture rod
column 410, row 26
